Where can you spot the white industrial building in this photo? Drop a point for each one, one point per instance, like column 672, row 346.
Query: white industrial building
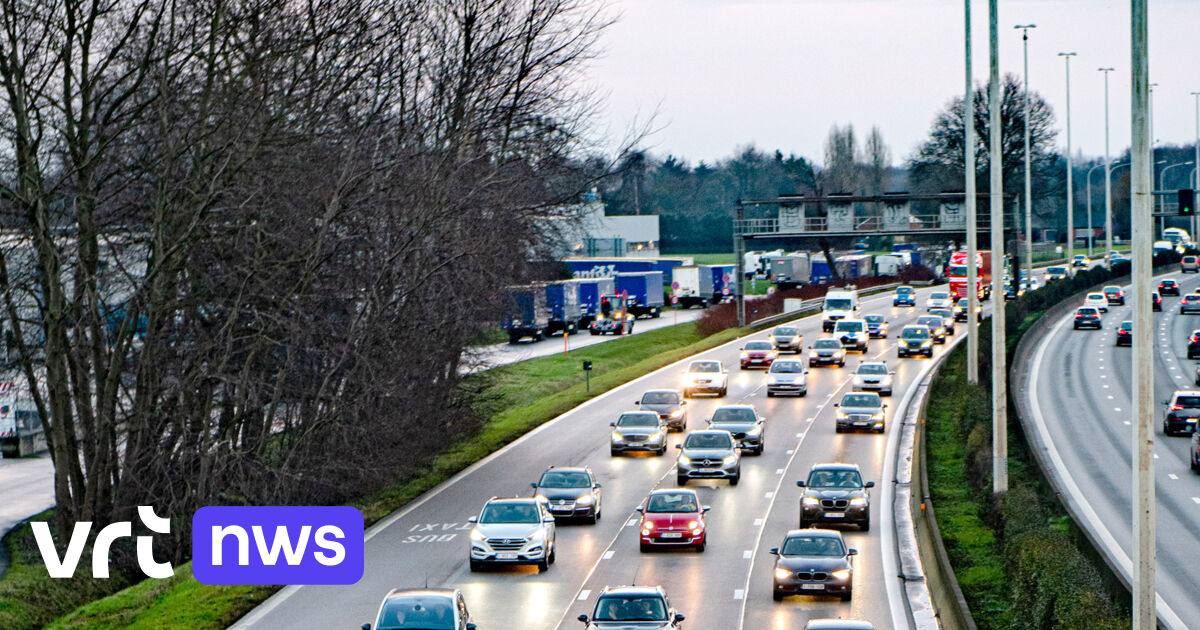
column 584, row 230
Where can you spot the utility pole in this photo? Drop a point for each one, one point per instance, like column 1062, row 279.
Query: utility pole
column 996, row 194
column 1070, row 168
column 1028, row 170
column 969, row 187
column 739, row 258
column 1150, row 116
column 1142, row 157
column 1196, row 182
column 1107, row 176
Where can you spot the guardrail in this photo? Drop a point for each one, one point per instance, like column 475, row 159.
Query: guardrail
column 809, row 306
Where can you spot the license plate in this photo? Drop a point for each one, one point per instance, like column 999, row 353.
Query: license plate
column 672, row 535
column 813, row 587
column 507, row 556
column 835, row 515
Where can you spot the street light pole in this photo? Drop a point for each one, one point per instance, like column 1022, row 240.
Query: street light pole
column 1028, row 172
column 1070, row 167
column 996, row 194
column 1108, row 245
column 1196, row 182
column 969, row 187
column 1150, row 116
column 1091, row 230
column 1162, row 176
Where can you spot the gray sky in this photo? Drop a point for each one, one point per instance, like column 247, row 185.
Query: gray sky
column 778, row 73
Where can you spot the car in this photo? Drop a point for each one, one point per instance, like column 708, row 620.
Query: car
column 827, row 352
column 1195, row 457
column 638, row 431
column 743, row 423
column 1011, row 293
column 853, row 334
column 1081, row 261
column 1168, row 286
column 1087, row 317
column 1116, row 258
column 1125, row 334
column 1056, row 273
column 570, row 492
column 1182, row 411
column 707, row 377
column 813, row 562
column 513, row 531
column 708, row 454
column 860, row 410
column 915, row 340
column 939, row 299
column 1114, row 295
column 936, row 327
column 1155, row 301
column 961, row 308
column 787, row 339
column 673, row 518
column 787, row 376
column 835, row 493
column 669, row 404
column 757, row 354
column 1189, row 263
column 947, row 319
column 877, row 326
column 873, row 376
column 1193, row 348
column 1096, row 301
column 904, row 296
column 423, row 608
column 1189, row 304
column 838, row 624
column 641, row 607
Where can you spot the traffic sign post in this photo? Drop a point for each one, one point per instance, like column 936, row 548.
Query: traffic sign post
column 587, row 369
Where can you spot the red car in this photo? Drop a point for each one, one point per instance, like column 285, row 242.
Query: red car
column 758, row 354
column 673, row 518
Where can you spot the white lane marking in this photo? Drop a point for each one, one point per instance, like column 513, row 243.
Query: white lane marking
column 799, row 435
column 747, row 554
column 778, row 471
column 1196, row 500
column 1116, row 408
column 789, row 451
column 1128, row 423
column 739, row 594
column 1173, row 476
column 631, row 522
column 769, row 494
column 584, row 594
column 609, row 554
column 809, row 419
column 1110, row 397
column 1106, row 387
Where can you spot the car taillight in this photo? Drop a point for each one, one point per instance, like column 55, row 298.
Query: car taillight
column 1195, row 339
column 1176, row 407
column 1078, row 315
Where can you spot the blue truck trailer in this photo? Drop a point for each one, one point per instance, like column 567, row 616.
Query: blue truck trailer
column 526, row 313
column 562, row 298
column 610, row 267
column 643, row 291
column 590, row 291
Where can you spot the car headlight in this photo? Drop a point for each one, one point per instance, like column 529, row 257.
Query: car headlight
column 839, row 353
column 693, row 524
column 858, row 380
column 600, row 317
column 782, row 574
column 841, row 415
column 841, row 574
column 745, row 356
column 657, row 435
column 756, row 431
column 617, row 436
column 772, row 380
column 676, row 413
column 729, row 459
column 812, row 354
column 825, row 316
column 647, row 525
column 685, row 460
column 540, row 497
column 810, row 501
column 927, row 343
column 858, row 501
column 585, row 500
column 537, row 535
column 477, row 535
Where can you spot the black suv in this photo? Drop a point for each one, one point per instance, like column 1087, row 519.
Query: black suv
column 640, row 607
column 835, row 493
column 1182, row 411
column 1168, row 287
column 570, row 493
column 1087, row 317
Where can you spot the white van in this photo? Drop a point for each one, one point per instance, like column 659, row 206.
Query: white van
column 839, row 304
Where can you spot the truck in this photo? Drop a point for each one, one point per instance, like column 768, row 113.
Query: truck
column 956, row 273
column 525, row 313
column 839, row 304
column 590, row 290
column 889, row 264
column 790, row 270
column 854, row 265
column 643, row 292
column 21, row 430
column 614, row 316
column 699, row 285
column 610, row 267
column 562, row 298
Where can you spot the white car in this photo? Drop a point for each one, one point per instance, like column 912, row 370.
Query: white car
column 1097, row 301
column 873, row 376
column 705, row 377
column 513, row 531
column 939, row 299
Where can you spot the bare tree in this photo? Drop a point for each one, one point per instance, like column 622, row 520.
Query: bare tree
column 877, row 158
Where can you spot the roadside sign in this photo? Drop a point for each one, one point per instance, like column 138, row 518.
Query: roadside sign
column 725, row 291
column 674, row 299
column 727, row 277
column 674, row 286
column 770, row 290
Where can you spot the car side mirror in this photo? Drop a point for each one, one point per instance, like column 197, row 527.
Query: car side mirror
column 774, row 551
column 806, row 371
column 743, row 348
column 637, row 402
column 471, row 625
column 473, row 519
column 800, row 484
column 548, row 519
column 612, row 424
column 852, row 552
column 705, row 508
column 885, row 405
column 892, row 372
column 683, row 404
column 366, row 626
column 679, row 618
column 837, row 404
column 596, row 486
column 533, row 485
column 639, row 509
column 582, row 618
column 679, row 447
column 708, row 420
column 869, row 484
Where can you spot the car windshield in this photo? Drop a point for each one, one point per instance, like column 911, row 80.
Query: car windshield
column 956, row 270
column 672, row 502
column 638, row 420
column 932, row 321
column 812, row 546
column 632, row 608
column 939, row 296
column 660, row 398
column 904, row 290
column 524, row 512
column 1192, row 298
column 708, row 440
column 1095, row 296
column 837, row 304
column 1080, row 257
column 425, row 613
column 872, row 368
column 1087, row 311
column 963, row 302
column 787, row 367
column 1112, row 289
column 734, row 414
column 874, row 319
column 758, row 345
column 705, row 366
column 1126, row 325
column 1168, row 283
column 1191, row 402
column 915, row 333
column 827, row 344
column 785, row 331
column 845, row 326
column 834, row 479
column 559, row 479
column 940, row 312
column 860, row 400
column 1057, row 271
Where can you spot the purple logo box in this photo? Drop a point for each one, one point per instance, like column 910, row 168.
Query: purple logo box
column 277, row 545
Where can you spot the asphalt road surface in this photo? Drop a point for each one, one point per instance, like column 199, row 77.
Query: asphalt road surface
column 726, row 587
column 28, row 485
column 1081, row 396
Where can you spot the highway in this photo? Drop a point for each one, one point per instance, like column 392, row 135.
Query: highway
column 726, row 587
column 1080, row 394
column 28, row 488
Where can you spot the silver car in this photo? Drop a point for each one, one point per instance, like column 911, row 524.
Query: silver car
column 708, row 454
column 873, row 376
column 638, row 431
column 860, row 411
column 787, row 376
column 423, row 608
column 939, row 299
column 513, row 531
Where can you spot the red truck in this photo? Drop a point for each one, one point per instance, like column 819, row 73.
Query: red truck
column 956, row 272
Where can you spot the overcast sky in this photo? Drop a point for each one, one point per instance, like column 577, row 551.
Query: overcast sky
column 778, row 73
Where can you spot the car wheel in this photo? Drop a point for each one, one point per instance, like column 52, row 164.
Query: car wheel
column 882, row 429
column 680, row 481
column 687, row 393
column 812, row 364
column 777, row 595
column 838, row 429
column 595, row 333
column 662, row 451
column 733, row 481
column 595, row 517
column 887, row 393
column 802, row 524
column 553, row 554
column 842, row 363
column 845, row 597
column 614, row 452
column 770, row 394
column 643, row 547
column 724, row 390
column 476, row 566
column 865, row 525
column 702, row 545
column 759, row 451
column 543, row 565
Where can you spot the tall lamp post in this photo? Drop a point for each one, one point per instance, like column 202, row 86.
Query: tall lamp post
column 1091, row 230
column 996, row 195
column 1070, row 168
column 1107, row 176
column 1196, row 182
column 1028, row 173
column 1150, row 118
column 972, row 211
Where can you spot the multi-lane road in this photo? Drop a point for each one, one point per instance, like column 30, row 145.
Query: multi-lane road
column 1080, row 394
column 728, row 586
column 28, row 488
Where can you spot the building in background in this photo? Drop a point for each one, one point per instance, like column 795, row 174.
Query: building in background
column 584, row 230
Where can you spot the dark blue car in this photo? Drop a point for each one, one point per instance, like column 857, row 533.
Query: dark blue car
column 905, row 296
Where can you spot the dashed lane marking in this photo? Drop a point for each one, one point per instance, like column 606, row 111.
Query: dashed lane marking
column 609, row 554
column 739, row 594
column 1173, row 476
column 584, row 594
column 747, row 554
